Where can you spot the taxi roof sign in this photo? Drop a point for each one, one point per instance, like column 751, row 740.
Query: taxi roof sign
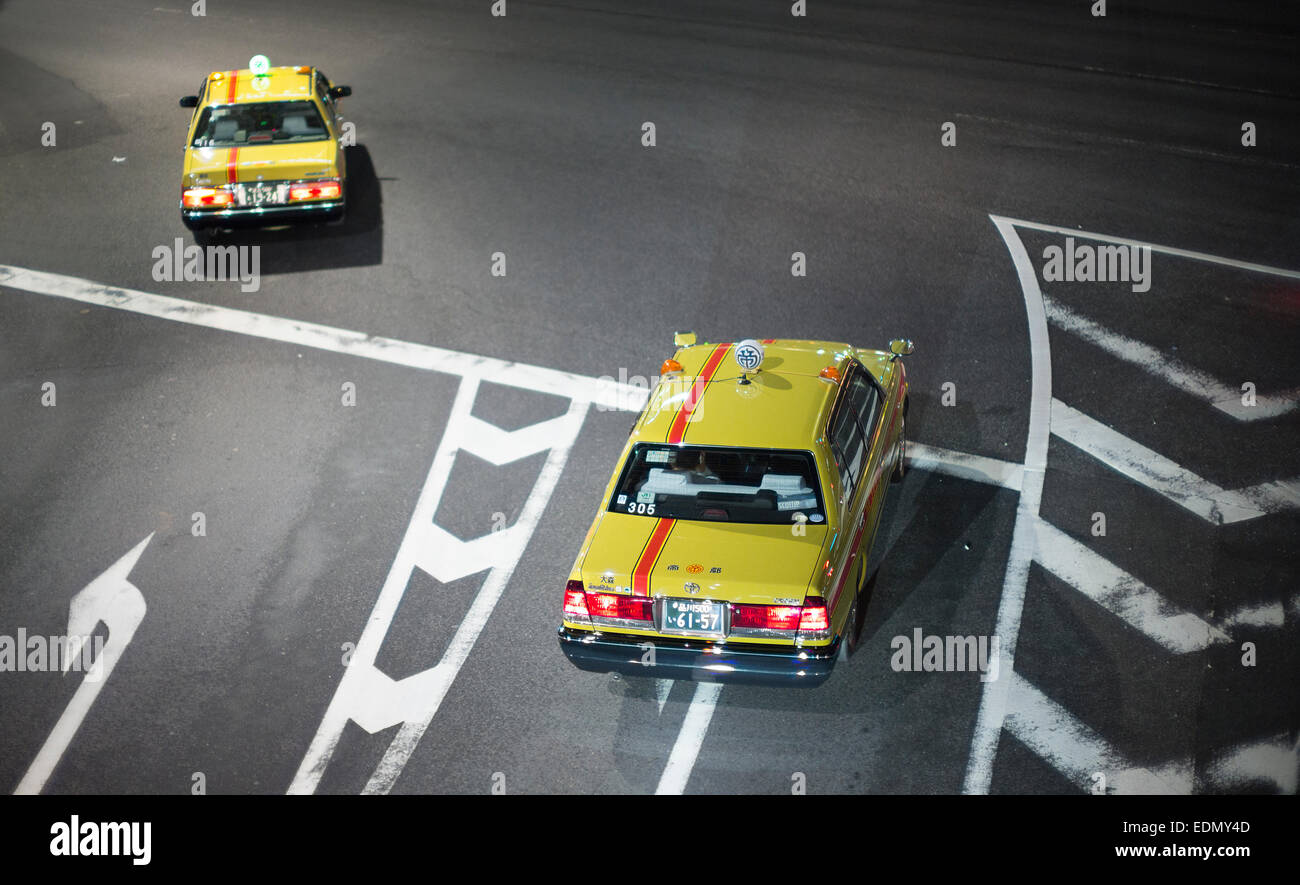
column 260, row 65
column 748, row 355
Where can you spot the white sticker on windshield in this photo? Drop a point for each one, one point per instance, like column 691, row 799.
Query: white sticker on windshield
column 645, row 497
column 656, row 456
column 816, row 517
column 622, row 499
column 796, row 504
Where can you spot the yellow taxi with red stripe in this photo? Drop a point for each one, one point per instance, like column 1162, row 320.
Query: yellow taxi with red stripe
column 264, row 147
column 733, row 538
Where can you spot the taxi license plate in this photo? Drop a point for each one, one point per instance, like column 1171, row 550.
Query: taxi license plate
column 261, row 194
column 692, row 616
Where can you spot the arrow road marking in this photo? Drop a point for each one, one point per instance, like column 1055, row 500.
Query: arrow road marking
column 119, row 604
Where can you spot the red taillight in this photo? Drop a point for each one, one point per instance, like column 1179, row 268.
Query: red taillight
column 765, row 617
column 315, row 190
column 614, row 605
column 815, row 616
column 206, row 197
column 575, row 599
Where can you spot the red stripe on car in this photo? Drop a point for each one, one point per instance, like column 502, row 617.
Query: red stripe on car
column 678, row 429
column 646, row 564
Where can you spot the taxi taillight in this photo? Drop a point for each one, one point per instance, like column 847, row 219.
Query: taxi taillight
column 575, row 599
column 616, row 605
column 206, row 197
column 815, row 617
column 766, row 617
column 328, row 189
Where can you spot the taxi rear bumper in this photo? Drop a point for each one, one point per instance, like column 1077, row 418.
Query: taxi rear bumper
column 698, row 660
column 253, row 216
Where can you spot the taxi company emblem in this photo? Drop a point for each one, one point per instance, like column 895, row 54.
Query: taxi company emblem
column 694, row 568
column 749, row 355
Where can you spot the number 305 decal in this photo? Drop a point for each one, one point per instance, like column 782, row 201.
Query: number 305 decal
column 641, row 507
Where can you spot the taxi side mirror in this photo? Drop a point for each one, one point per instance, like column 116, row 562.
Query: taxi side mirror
column 684, row 339
column 190, row 101
column 901, row 347
column 340, row 92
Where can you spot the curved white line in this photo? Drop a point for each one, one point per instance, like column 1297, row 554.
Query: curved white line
column 993, row 705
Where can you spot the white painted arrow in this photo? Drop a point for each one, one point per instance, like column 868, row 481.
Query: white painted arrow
column 119, row 604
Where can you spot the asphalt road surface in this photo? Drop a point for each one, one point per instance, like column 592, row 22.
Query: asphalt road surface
column 316, row 565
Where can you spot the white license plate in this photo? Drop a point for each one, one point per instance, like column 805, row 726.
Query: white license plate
column 261, row 194
column 692, row 616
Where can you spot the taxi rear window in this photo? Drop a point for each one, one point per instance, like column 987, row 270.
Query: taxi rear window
column 267, row 122
column 719, row 484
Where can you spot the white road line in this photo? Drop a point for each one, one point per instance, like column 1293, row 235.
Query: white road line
column 1275, row 759
column 120, row 605
column 1154, row 247
column 1202, row 497
column 663, row 687
column 370, row 697
column 1123, row 595
column 681, row 761
column 993, row 703
column 978, row 468
column 1078, row 752
column 601, row 392
column 1177, row 374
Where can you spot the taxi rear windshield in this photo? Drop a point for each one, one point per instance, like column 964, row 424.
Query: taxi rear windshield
column 719, row 484
column 268, row 122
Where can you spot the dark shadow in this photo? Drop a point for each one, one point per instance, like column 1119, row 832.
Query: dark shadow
column 356, row 241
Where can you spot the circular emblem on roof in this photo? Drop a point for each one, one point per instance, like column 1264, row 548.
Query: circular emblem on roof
column 259, row 65
column 694, row 568
column 749, row 355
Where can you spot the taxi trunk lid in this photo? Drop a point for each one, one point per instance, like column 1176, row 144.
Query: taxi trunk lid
column 267, row 162
column 727, row 562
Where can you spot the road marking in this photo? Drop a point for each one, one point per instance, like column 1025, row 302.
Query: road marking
column 1121, row 594
column 681, row 761
column 663, row 687
column 367, row 695
column 600, row 392
column 120, row 605
column 993, row 701
column 386, row 702
column 978, row 468
column 1180, row 485
column 1078, row 752
column 1275, row 760
column 1154, row 247
column 1189, row 380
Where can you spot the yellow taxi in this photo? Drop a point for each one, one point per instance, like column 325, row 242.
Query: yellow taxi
column 264, row 147
column 733, row 537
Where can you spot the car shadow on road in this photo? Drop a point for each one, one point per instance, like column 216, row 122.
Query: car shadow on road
column 356, row 241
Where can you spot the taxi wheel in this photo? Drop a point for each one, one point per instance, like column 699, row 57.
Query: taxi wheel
column 900, row 466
